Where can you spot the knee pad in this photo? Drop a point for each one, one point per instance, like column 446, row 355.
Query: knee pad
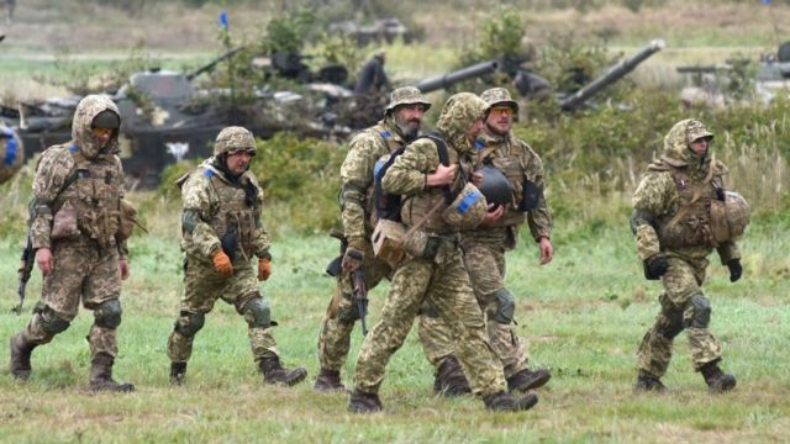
column 108, row 314
column 506, row 306
column 51, row 322
column 188, row 324
column 700, row 312
column 257, row 313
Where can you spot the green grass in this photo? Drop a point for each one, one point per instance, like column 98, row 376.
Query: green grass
column 584, row 316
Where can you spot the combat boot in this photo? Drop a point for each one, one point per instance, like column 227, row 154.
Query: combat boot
column 527, row 379
column 645, row 382
column 101, row 375
column 178, row 373
column 362, row 402
column 505, row 402
column 21, row 350
column 274, row 373
column 717, row 380
column 328, row 381
column 450, row 379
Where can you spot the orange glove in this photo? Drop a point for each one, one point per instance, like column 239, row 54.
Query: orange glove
column 264, row 269
column 222, row 263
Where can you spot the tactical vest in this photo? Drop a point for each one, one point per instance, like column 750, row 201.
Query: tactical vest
column 691, row 224
column 231, row 213
column 415, row 208
column 515, row 170
column 93, row 190
column 391, row 145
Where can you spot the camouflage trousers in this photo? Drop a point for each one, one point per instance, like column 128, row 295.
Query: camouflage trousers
column 485, row 263
column 203, row 285
column 683, row 307
column 81, row 271
column 446, row 286
column 334, row 340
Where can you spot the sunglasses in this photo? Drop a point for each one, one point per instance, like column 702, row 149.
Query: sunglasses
column 501, row 111
column 100, row 132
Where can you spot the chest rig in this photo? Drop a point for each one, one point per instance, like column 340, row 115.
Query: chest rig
column 92, row 193
column 700, row 201
column 234, row 215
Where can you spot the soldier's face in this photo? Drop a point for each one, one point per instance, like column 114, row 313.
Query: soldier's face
column 239, row 161
column 102, row 135
column 409, row 118
column 475, row 129
column 500, row 119
column 700, row 145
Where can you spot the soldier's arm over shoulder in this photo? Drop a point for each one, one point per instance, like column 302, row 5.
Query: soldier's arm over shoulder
column 356, row 175
column 653, row 198
column 261, row 235
column 199, row 238
column 51, row 174
column 408, row 173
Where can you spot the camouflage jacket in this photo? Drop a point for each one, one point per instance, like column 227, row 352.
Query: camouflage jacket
column 675, row 189
column 519, row 162
column 215, row 207
column 356, row 173
column 409, row 172
column 83, row 176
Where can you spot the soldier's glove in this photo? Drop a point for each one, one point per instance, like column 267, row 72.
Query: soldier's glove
column 354, row 256
column 222, row 263
column 736, row 269
column 656, row 266
column 264, row 269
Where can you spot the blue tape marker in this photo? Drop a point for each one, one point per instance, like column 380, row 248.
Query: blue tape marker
column 467, row 202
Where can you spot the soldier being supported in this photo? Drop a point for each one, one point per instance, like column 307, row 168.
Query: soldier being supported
column 682, row 213
column 75, row 222
column 222, row 232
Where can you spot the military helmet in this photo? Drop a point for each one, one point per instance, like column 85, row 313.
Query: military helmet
column 499, row 96
column 495, row 187
column 233, row 139
column 106, row 119
column 696, row 130
column 468, row 209
column 738, row 213
column 407, row 95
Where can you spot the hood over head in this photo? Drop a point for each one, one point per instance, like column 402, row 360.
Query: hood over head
column 457, row 117
column 677, row 140
column 81, row 127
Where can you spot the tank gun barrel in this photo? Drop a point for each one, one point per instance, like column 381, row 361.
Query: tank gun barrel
column 614, row 74
column 450, row 79
column 210, row 65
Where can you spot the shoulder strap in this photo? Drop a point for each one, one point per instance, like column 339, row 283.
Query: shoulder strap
column 444, row 159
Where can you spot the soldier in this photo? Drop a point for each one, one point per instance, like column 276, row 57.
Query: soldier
column 401, row 124
column 11, row 151
column 433, row 269
column 222, row 230
column 677, row 222
column 75, row 217
column 372, row 78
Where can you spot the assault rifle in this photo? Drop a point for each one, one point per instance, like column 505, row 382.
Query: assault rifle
column 360, row 294
column 25, row 270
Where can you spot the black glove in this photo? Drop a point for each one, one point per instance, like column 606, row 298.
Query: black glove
column 656, row 266
column 736, row 270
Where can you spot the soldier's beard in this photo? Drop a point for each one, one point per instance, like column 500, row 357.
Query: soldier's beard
column 409, row 129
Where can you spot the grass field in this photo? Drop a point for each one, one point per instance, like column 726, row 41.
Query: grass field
column 583, row 315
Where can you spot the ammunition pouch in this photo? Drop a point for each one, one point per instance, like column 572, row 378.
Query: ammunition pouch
column 64, row 223
column 420, row 244
column 388, row 241
column 467, row 210
column 230, row 243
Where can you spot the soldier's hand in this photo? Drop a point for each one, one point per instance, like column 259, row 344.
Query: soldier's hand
column 352, row 259
column 656, row 266
column 494, row 212
column 222, row 263
column 736, row 269
column 546, row 250
column 264, row 269
column 123, row 267
column 444, row 175
column 477, row 179
column 44, row 260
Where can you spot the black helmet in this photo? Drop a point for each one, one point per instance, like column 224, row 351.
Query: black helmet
column 495, row 187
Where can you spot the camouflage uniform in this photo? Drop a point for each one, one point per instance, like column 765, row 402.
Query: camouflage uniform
column 222, row 213
column 12, row 155
column 670, row 222
column 484, row 248
column 357, row 214
column 85, row 179
column 439, row 277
